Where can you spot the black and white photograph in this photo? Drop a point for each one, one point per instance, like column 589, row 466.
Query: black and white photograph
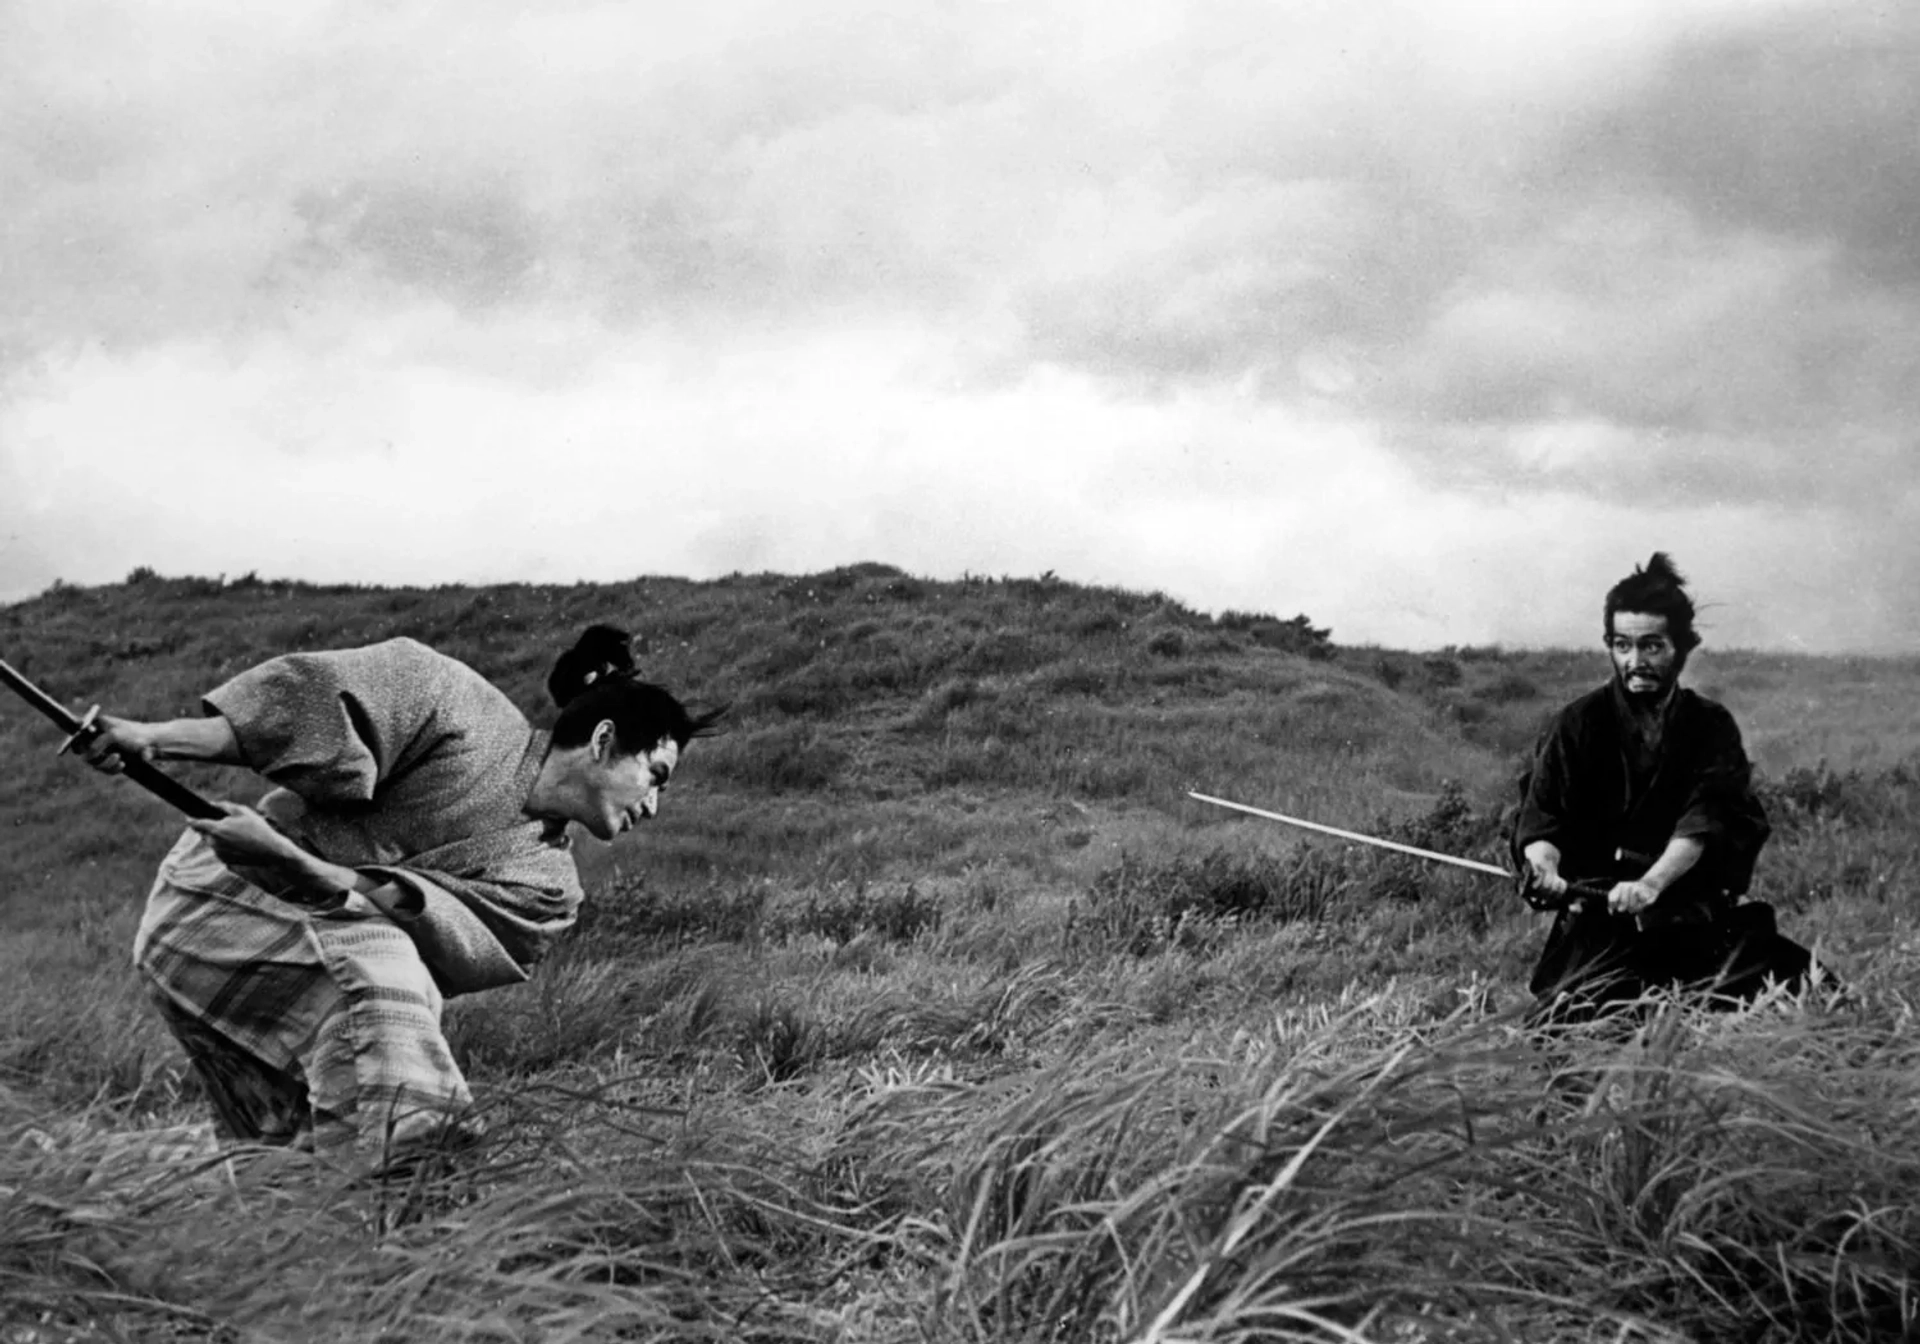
column 960, row 671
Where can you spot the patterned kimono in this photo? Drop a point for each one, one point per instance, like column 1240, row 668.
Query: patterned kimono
column 323, row 1029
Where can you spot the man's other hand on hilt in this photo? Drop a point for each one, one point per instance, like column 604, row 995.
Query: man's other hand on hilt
column 253, row 849
column 1543, row 867
column 244, row 838
column 1630, row 898
column 258, row 851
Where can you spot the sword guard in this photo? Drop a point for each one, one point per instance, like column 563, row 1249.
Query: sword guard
column 1538, row 897
column 85, row 733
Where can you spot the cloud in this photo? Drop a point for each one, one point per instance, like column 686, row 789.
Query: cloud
column 1802, row 127
column 1631, row 350
column 1269, row 305
column 200, row 169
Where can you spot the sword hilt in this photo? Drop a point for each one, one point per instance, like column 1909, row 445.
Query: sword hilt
column 1541, row 899
column 82, row 731
column 165, row 787
column 83, row 734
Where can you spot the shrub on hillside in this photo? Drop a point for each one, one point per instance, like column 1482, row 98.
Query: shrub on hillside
column 1840, row 834
column 1143, row 906
column 1296, row 635
column 137, row 650
column 851, row 576
column 1806, row 795
column 1450, row 825
column 1167, row 643
column 1509, row 688
column 1470, row 714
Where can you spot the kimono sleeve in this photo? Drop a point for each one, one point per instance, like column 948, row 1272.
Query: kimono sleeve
column 482, row 931
column 330, row 726
column 1546, row 810
column 1721, row 807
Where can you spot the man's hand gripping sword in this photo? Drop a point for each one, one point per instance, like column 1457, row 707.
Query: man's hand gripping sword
column 1576, row 893
column 81, row 731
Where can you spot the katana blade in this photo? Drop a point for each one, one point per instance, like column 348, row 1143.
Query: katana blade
column 78, row 731
column 1473, row 865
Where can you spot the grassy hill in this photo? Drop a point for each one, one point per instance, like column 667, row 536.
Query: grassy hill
column 930, row 994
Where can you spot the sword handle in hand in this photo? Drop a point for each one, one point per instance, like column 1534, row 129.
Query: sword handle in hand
column 1630, row 863
column 80, row 732
column 1576, row 893
column 164, row 786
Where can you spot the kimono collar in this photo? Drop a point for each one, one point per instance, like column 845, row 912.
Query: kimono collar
column 1652, row 725
column 553, row 830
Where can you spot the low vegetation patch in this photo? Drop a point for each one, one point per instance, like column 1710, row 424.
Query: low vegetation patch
column 1144, row 906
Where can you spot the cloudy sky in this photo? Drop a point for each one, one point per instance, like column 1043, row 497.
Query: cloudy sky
column 1428, row 318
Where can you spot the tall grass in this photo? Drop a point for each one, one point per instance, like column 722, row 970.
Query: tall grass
column 1363, row 1177
column 929, row 1011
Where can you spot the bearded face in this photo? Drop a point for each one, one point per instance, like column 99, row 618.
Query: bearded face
column 1645, row 660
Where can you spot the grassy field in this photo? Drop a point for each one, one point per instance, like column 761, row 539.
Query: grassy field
column 931, row 1009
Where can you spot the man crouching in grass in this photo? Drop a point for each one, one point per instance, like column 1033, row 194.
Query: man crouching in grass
column 1642, row 767
column 415, row 847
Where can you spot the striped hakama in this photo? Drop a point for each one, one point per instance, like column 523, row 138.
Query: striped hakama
column 323, row 1029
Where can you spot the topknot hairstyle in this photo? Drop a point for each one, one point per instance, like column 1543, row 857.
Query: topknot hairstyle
column 1656, row 588
column 600, row 652
column 597, row 681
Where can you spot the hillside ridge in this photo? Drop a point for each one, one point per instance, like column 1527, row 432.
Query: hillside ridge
column 882, row 722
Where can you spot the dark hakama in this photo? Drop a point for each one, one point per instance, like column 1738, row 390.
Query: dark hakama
column 1610, row 794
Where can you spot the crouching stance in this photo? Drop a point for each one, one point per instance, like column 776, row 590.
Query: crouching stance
column 1645, row 788
column 415, row 848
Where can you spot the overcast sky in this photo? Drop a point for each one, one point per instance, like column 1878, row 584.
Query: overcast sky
column 1428, row 318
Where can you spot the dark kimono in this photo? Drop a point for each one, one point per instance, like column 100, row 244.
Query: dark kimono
column 1611, row 795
